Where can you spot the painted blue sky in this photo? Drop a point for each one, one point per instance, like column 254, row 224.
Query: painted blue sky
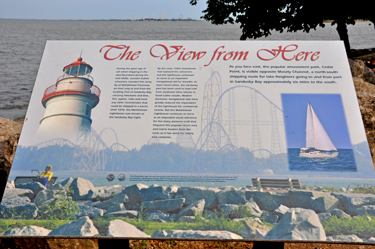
column 98, row 9
column 328, row 108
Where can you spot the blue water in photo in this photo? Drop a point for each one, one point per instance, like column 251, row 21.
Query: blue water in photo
column 344, row 162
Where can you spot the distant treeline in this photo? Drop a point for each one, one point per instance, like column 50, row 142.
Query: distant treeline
column 141, row 19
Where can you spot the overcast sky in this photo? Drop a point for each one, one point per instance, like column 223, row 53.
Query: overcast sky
column 99, row 9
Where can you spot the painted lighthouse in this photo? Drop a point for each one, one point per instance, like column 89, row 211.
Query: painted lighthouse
column 69, row 103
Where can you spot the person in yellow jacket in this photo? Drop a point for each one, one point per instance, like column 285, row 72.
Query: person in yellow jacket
column 46, row 175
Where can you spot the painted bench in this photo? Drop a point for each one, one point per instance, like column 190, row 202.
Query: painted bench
column 276, row 183
column 26, row 179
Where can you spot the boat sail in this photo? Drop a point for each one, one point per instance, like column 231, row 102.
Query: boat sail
column 318, row 143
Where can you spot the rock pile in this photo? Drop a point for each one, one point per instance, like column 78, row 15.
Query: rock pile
column 9, row 134
column 364, row 83
column 296, row 213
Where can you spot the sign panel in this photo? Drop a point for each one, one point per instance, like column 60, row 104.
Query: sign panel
column 191, row 139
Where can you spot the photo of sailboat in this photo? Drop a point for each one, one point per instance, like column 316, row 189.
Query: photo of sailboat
column 318, row 139
column 318, row 143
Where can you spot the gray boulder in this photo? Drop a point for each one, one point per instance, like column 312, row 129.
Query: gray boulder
column 58, row 187
column 298, row 224
column 187, row 219
column 43, row 196
column 194, row 194
column 15, row 201
column 82, row 226
column 117, row 199
column 18, row 208
column 158, row 216
column 280, row 211
column 119, row 228
column 273, row 219
column 160, row 234
column 270, row 200
column 339, row 213
column 172, row 205
column 193, row 208
column 351, row 202
column 159, row 193
column 234, row 220
column 248, row 232
column 269, row 217
column 173, row 217
column 33, row 186
column 210, row 214
column 11, row 193
column 231, row 195
column 125, row 213
column 116, row 208
column 305, row 198
column 324, row 216
column 85, row 203
column 344, row 238
column 252, row 233
column 89, row 211
column 81, row 188
column 66, row 182
column 260, row 234
column 253, row 230
column 197, row 234
column 28, row 231
column 325, row 204
column 254, row 207
column 134, row 194
column 227, row 208
column 370, row 209
column 104, row 193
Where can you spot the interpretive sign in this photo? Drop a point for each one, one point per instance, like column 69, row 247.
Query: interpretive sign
column 192, row 139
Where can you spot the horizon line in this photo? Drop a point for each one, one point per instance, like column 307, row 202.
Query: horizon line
column 129, row 19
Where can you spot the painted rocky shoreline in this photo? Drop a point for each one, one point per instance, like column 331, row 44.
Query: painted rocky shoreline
column 296, row 213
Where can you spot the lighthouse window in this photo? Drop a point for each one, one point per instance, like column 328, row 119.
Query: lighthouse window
column 72, row 70
column 84, row 70
column 79, row 70
column 67, row 71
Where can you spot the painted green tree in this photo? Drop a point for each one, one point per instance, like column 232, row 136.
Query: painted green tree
column 259, row 18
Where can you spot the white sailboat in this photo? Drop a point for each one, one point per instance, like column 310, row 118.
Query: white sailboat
column 318, row 143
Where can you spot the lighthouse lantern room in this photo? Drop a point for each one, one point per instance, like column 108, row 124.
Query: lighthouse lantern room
column 77, row 68
column 69, row 102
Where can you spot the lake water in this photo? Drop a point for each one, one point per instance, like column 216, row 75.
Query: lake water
column 22, row 43
column 344, row 162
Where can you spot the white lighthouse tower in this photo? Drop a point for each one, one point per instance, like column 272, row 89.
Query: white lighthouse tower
column 69, row 103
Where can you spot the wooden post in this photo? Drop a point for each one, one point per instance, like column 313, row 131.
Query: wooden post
column 268, row 244
column 114, row 243
column 290, row 183
column 259, row 185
